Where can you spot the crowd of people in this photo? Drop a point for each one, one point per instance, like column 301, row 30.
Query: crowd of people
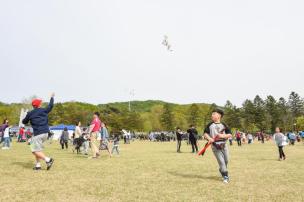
column 97, row 138
column 6, row 135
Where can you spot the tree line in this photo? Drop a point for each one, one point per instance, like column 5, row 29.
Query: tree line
column 254, row 115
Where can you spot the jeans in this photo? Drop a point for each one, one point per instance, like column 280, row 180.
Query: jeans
column 6, row 142
column 86, row 147
column 115, row 147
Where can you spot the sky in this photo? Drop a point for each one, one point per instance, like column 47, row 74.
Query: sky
column 97, row 51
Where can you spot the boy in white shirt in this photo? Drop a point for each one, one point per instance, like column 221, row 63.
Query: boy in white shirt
column 6, row 137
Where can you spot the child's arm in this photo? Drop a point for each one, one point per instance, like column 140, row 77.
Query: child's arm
column 225, row 136
column 26, row 119
column 51, row 104
column 206, row 135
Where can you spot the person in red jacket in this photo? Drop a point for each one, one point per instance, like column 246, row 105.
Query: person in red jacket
column 238, row 138
column 21, row 134
column 28, row 134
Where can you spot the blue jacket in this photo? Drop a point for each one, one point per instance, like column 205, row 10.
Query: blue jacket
column 104, row 133
column 39, row 119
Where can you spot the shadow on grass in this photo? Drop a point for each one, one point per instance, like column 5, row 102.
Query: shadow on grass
column 28, row 164
column 216, row 178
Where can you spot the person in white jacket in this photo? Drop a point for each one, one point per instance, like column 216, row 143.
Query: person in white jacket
column 279, row 139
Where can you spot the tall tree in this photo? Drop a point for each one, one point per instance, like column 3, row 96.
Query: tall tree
column 232, row 115
column 273, row 113
column 286, row 119
column 259, row 113
column 296, row 104
column 194, row 114
column 248, row 114
column 133, row 122
column 167, row 118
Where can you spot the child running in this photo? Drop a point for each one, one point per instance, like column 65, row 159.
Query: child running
column 217, row 133
column 38, row 118
column 115, row 144
column 6, row 139
column 279, row 139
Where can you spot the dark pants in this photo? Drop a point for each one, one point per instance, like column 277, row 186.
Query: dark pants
column 281, row 152
column 64, row 143
column 194, row 145
column 239, row 141
column 179, row 143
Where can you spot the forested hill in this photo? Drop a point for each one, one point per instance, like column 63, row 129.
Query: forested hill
column 146, row 106
column 257, row 114
column 144, row 115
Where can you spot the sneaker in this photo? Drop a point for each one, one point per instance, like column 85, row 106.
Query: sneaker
column 49, row 164
column 226, row 180
column 37, row 168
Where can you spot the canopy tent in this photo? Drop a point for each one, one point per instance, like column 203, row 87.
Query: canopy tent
column 57, row 130
column 62, row 126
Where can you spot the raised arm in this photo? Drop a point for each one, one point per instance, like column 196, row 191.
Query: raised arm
column 51, row 104
column 26, row 119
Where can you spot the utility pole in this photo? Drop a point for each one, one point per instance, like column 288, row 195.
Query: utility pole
column 132, row 94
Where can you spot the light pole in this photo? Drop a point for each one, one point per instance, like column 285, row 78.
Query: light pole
column 132, row 94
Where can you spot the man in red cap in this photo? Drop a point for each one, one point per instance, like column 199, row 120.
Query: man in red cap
column 38, row 118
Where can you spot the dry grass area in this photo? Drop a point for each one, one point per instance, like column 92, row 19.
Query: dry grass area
column 150, row 171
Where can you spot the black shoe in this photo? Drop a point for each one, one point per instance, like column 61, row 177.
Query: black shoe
column 49, row 164
column 37, row 168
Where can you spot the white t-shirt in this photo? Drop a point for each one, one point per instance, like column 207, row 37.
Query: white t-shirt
column 77, row 132
column 6, row 132
column 250, row 137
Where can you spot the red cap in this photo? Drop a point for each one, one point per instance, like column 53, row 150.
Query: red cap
column 36, row 103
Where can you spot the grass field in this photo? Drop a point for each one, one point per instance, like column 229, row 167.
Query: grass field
column 150, row 171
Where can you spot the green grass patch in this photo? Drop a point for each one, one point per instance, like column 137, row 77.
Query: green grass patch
column 150, row 171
